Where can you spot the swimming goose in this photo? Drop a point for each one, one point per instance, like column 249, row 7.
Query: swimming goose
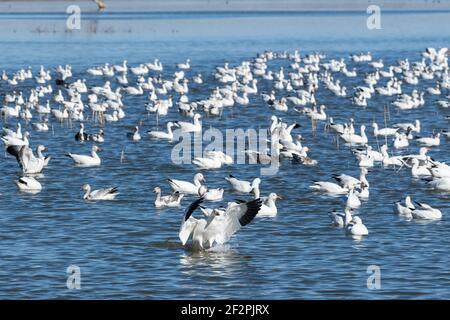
column 414, row 127
column 347, row 181
column 219, row 227
column 425, row 212
column 356, row 227
column 384, row 131
column 163, row 135
column 404, row 210
column 341, row 219
column 241, row 185
column 187, row 187
column 212, row 160
column 268, row 208
column 328, row 187
column 354, row 138
column 81, row 135
column 430, row 141
column 98, row 137
column 87, row 161
column 440, row 184
column 14, row 134
column 196, row 126
column 185, row 65
column 11, row 141
column 173, row 200
column 100, row 194
column 210, row 194
column 419, row 170
column 28, row 184
column 136, row 136
column 353, row 201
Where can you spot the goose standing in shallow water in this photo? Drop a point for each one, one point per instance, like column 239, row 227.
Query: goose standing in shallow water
column 100, row 194
column 173, row 200
column 219, row 227
column 87, row 161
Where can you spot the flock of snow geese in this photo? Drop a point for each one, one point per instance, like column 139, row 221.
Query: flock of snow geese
column 66, row 99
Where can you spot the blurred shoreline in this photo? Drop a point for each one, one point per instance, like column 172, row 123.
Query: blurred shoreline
column 142, row 6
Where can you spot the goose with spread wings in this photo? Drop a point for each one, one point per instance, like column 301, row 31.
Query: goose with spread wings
column 219, row 226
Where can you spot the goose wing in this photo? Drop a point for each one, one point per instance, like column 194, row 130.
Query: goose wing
column 234, row 218
column 188, row 224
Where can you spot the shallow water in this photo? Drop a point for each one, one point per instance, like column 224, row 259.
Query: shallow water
column 127, row 249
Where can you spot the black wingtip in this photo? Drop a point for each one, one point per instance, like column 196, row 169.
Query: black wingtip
column 253, row 208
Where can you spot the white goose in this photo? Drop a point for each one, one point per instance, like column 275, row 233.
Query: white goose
column 195, row 126
column 163, row 135
column 328, row 187
column 28, row 184
column 404, row 210
column 356, row 227
column 87, row 161
column 187, row 187
column 219, row 227
column 435, row 140
column 210, row 194
column 341, row 219
column 425, row 212
column 173, row 200
column 268, row 208
column 100, row 194
column 384, row 131
column 241, row 185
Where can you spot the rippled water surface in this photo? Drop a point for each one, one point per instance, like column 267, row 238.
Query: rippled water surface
column 127, row 249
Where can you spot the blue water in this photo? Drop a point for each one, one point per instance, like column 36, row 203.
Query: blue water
column 127, row 249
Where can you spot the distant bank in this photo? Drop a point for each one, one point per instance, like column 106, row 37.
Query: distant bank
column 56, row 6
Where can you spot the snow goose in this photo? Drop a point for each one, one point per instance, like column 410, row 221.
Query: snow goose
column 268, row 208
column 210, row 194
column 341, row 219
column 135, row 136
column 212, row 160
column 81, row 135
column 14, row 134
column 414, row 127
column 384, row 131
column 241, row 185
column 196, row 126
column 185, row 65
column 440, row 184
column 347, row 181
column 328, row 187
column 187, row 187
column 87, row 161
column 28, row 184
column 100, row 194
column 356, row 227
column 404, row 210
column 11, row 141
column 173, row 200
column 354, row 138
column 98, row 137
column 353, row 201
column 430, row 141
column 163, row 135
column 425, row 212
column 219, row 227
